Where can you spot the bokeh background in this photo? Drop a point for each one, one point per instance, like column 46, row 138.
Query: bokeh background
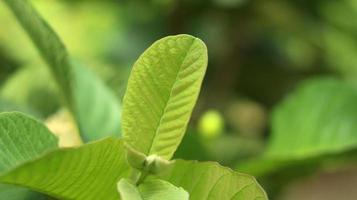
column 281, row 79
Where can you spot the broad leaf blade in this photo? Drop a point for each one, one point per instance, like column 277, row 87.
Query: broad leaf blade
column 161, row 93
column 40, row 95
column 97, row 108
column 10, row 192
column 319, row 118
column 210, row 181
column 47, row 42
column 128, row 191
column 316, row 122
column 21, row 139
column 159, row 189
column 87, row 172
column 91, row 102
column 151, row 190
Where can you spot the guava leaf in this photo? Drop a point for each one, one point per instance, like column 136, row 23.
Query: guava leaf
column 210, row 181
column 46, row 40
column 159, row 189
column 93, row 105
column 40, row 95
column 97, row 108
column 91, row 171
column 128, row 191
column 162, row 90
column 151, row 190
column 320, row 117
column 21, row 139
column 10, row 192
column 317, row 121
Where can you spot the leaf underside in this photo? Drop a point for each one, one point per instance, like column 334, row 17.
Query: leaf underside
column 151, row 190
column 319, row 118
column 21, row 139
column 87, row 172
column 97, row 108
column 162, row 90
column 210, row 181
column 316, row 121
column 10, row 192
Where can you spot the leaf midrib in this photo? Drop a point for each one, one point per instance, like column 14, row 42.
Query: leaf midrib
column 168, row 99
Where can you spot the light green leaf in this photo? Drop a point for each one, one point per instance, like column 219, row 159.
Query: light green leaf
column 128, row 191
column 91, row 171
column 210, row 181
column 147, row 164
column 162, row 90
column 93, row 105
column 151, row 190
column 320, row 117
column 159, row 189
column 136, row 159
column 21, row 139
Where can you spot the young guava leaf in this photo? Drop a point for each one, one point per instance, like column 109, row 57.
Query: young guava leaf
column 128, row 190
column 94, row 106
column 135, row 159
column 21, row 139
column 210, row 181
column 151, row 190
column 91, row 171
column 148, row 164
column 159, row 189
column 162, row 90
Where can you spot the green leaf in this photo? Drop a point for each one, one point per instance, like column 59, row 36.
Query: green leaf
column 128, row 191
column 162, row 90
column 159, row 189
column 320, row 117
column 151, row 190
column 210, row 181
column 21, row 139
column 10, row 192
column 93, row 105
column 316, row 122
column 91, row 171
column 40, row 95
column 146, row 164
column 9, row 106
column 136, row 159
column 47, row 42
column 97, row 108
